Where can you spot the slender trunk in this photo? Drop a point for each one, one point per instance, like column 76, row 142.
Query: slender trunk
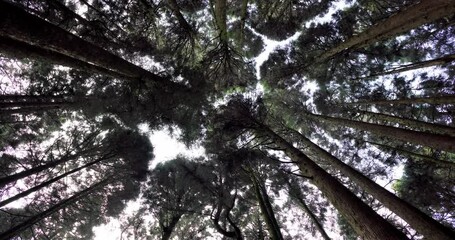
column 16, row 230
column 266, row 209
column 439, row 162
column 47, row 183
column 426, row 11
column 167, row 230
column 420, row 125
column 243, row 16
column 36, row 98
column 29, row 172
column 423, row 64
column 365, row 221
column 17, row 49
column 418, row 220
column 15, row 23
column 449, row 99
column 436, row 141
column 296, row 194
column 34, row 104
column 25, row 110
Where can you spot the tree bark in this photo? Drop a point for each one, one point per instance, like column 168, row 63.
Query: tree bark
column 221, row 20
column 15, row 23
column 418, row 220
column 449, row 99
column 416, row 124
column 426, row 11
column 436, row 141
column 366, row 222
column 16, row 230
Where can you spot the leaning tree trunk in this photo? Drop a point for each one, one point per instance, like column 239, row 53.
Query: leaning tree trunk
column 413, row 66
column 436, row 141
column 16, row 230
column 296, row 194
column 439, row 162
column 418, row 220
column 449, row 99
column 411, row 123
column 426, row 11
column 17, row 24
column 167, row 230
column 47, row 183
column 365, row 221
column 17, row 49
column 266, row 208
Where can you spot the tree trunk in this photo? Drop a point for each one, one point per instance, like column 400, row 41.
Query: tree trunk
column 86, row 143
column 6, row 105
column 16, row 230
column 419, row 125
column 296, row 194
column 15, row 23
column 221, row 20
column 439, row 162
column 173, row 5
column 266, row 208
column 426, row 11
column 20, row 50
column 47, row 183
column 25, row 110
column 436, row 141
column 423, row 64
column 422, row 223
column 449, row 99
column 366, row 222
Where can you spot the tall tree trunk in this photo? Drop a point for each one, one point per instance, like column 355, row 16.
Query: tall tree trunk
column 266, row 208
column 34, row 104
column 86, row 143
column 47, row 183
column 366, row 222
column 25, row 110
column 16, row 230
column 416, row 124
column 423, row 64
column 449, row 99
column 426, row 11
column 296, row 194
column 173, row 5
column 221, row 20
column 17, row 49
column 418, row 220
column 436, row 141
column 439, row 162
column 15, row 23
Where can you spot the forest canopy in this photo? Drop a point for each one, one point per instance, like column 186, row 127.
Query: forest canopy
column 344, row 130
